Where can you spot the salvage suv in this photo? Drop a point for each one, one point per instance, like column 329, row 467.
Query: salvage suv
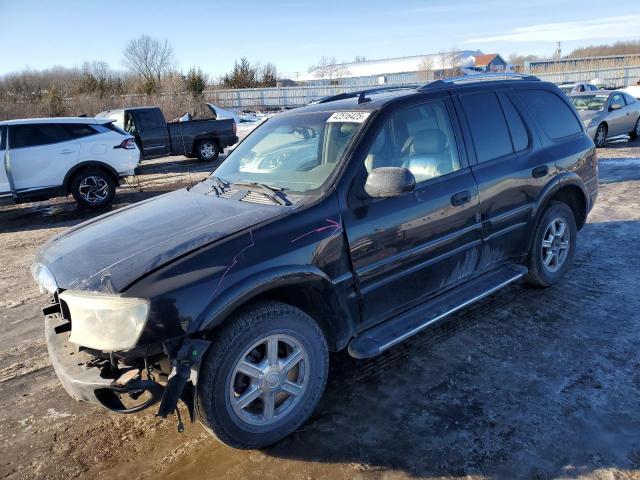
column 353, row 223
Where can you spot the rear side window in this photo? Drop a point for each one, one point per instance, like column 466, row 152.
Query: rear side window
column 3, row 138
column 35, row 135
column 78, row 131
column 488, row 126
column 629, row 99
column 552, row 113
column 519, row 135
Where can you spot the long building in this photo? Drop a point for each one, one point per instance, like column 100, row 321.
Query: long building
column 412, row 69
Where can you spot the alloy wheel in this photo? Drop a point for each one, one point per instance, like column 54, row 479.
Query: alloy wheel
column 207, row 150
column 555, row 245
column 269, row 380
column 601, row 135
column 93, row 189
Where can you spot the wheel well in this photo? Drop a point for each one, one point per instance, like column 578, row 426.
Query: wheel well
column 197, row 141
column 575, row 199
column 86, row 166
column 310, row 300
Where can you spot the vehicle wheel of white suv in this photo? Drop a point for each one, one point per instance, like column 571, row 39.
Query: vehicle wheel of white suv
column 93, row 188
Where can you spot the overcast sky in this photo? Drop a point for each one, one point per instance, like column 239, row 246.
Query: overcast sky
column 294, row 34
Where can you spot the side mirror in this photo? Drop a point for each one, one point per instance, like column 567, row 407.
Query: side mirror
column 386, row 182
column 615, row 106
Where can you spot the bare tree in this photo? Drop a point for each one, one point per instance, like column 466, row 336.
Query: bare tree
column 329, row 68
column 149, row 58
column 426, row 69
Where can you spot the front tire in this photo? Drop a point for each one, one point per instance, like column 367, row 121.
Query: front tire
column 600, row 138
column 263, row 375
column 635, row 133
column 93, row 188
column 554, row 245
column 207, row 150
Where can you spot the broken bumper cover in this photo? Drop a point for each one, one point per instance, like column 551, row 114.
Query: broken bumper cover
column 79, row 378
column 86, row 378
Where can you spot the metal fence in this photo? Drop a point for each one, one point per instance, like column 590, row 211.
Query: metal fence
column 288, row 97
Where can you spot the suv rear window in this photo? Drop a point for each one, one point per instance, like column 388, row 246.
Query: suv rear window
column 553, row 114
column 35, row 135
column 488, row 126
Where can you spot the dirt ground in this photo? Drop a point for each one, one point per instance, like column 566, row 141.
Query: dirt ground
column 529, row 383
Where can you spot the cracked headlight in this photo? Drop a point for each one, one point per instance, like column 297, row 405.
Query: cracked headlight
column 44, row 278
column 587, row 122
column 105, row 322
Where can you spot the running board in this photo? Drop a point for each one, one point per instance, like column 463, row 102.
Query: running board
column 377, row 339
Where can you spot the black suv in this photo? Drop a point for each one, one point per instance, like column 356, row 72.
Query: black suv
column 352, row 223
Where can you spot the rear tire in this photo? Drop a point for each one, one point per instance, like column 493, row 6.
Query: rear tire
column 600, row 138
column 207, row 150
column 263, row 375
column 554, row 244
column 635, row 133
column 93, row 188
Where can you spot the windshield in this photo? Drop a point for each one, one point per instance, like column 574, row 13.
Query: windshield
column 293, row 152
column 590, row 102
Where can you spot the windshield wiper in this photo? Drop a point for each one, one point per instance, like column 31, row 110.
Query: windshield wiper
column 276, row 193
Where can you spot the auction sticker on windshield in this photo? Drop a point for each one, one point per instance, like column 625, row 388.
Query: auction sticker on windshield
column 355, row 117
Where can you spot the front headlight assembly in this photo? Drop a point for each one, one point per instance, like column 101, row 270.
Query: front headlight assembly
column 105, row 322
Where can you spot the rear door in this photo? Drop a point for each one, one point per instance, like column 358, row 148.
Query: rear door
column 407, row 248
column 152, row 131
column 41, row 155
column 510, row 167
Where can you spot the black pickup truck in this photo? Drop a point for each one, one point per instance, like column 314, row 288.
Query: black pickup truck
column 155, row 137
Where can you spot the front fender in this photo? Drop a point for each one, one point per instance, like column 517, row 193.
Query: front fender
column 243, row 291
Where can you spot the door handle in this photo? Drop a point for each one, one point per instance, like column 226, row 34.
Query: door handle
column 540, row 171
column 66, row 152
column 460, row 198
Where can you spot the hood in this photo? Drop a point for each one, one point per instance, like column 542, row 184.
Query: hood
column 111, row 251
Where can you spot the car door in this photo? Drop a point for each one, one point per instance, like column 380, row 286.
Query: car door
column 510, row 167
column 407, row 248
column 633, row 107
column 41, row 155
column 617, row 119
column 152, row 131
column 5, row 186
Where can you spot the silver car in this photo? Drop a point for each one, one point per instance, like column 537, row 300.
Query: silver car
column 608, row 114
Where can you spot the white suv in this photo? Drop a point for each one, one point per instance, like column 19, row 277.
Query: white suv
column 48, row 157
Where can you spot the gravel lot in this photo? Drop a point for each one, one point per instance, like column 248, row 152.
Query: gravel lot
column 528, row 383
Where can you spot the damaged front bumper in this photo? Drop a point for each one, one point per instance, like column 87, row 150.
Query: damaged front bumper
column 124, row 387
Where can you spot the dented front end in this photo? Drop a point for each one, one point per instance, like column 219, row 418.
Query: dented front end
column 122, row 381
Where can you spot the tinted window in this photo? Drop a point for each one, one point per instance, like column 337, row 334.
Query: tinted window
column 488, row 125
column 78, row 131
column 519, row 135
column 419, row 138
column 34, row 135
column 554, row 116
column 149, row 119
column 3, row 140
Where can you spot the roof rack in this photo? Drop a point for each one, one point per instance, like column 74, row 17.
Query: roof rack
column 362, row 94
column 480, row 77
